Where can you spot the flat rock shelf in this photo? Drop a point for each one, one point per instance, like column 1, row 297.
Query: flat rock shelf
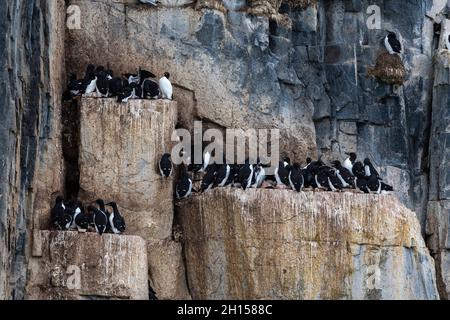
column 278, row 244
column 72, row 265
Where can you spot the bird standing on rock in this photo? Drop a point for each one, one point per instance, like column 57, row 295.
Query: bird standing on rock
column 392, row 44
column 246, row 175
column 183, row 188
column 296, row 178
column 165, row 165
column 282, row 173
column 369, row 169
column 116, row 221
column 348, row 163
column 60, row 219
column 209, row 178
column 100, row 217
column 165, row 87
column 222, row 175
column 346, row 177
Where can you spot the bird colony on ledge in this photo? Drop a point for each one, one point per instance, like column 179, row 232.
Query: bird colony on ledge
column 72, row 215
column 101, row 83
column 316, row 175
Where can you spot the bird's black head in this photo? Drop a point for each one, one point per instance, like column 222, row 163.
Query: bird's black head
column 90, row 68
column 336, row 163
column 367, row 161
column 112, row 204
column 99, row 69
column 59, row 199
column 100, row 202
column 352, row 156
column 167, row 75
column 391, row 34
column 287, row 160
column 308, row 160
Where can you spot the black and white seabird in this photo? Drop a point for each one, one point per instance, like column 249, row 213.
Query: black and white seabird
column 183, row 188
column 103, row 82
column 346, row 177
column 385, row 187
column 348, row 163
column 374, row 184
column 74, row 88
column 81, row 219
column 59, row 218
column 334, row 183
column 259, row 176
column 116, row 86
column 362, row 184
column 209, row 178
column 165, row 165
column 223, row 175
column 392, row 44
column 370, row 170
column 282, row 172
column 358, row 169
column 116, row 221
column 234, row 175
column 127, row 93
column 166, row 87
column 150, row 89
column 132, row 78
column 310, row 172
column 296, row 178
column 100, row 217
column 206, row 160
column 246, row 175
column 74, row 209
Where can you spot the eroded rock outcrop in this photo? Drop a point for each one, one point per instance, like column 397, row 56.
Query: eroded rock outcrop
column 31, row 72
column 222, row 62
column 120, row 147
column 278, row 244
column 72, row 265
column 438, row 218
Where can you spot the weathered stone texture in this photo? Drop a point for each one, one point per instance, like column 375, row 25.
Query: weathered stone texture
column 120, row 148
column 72, row 265
column 438, row 228
column 283, row 245
column 31, row 59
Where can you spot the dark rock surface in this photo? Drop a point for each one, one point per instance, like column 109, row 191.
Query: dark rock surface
column 27, row 122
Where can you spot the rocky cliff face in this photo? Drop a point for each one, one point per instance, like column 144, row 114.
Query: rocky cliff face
column 275, row 244
column 305, row 67
column 31, row 51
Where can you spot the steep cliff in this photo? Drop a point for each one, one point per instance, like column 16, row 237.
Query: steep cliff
column 438, row 217
column 312, row 69
column 31, row 57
